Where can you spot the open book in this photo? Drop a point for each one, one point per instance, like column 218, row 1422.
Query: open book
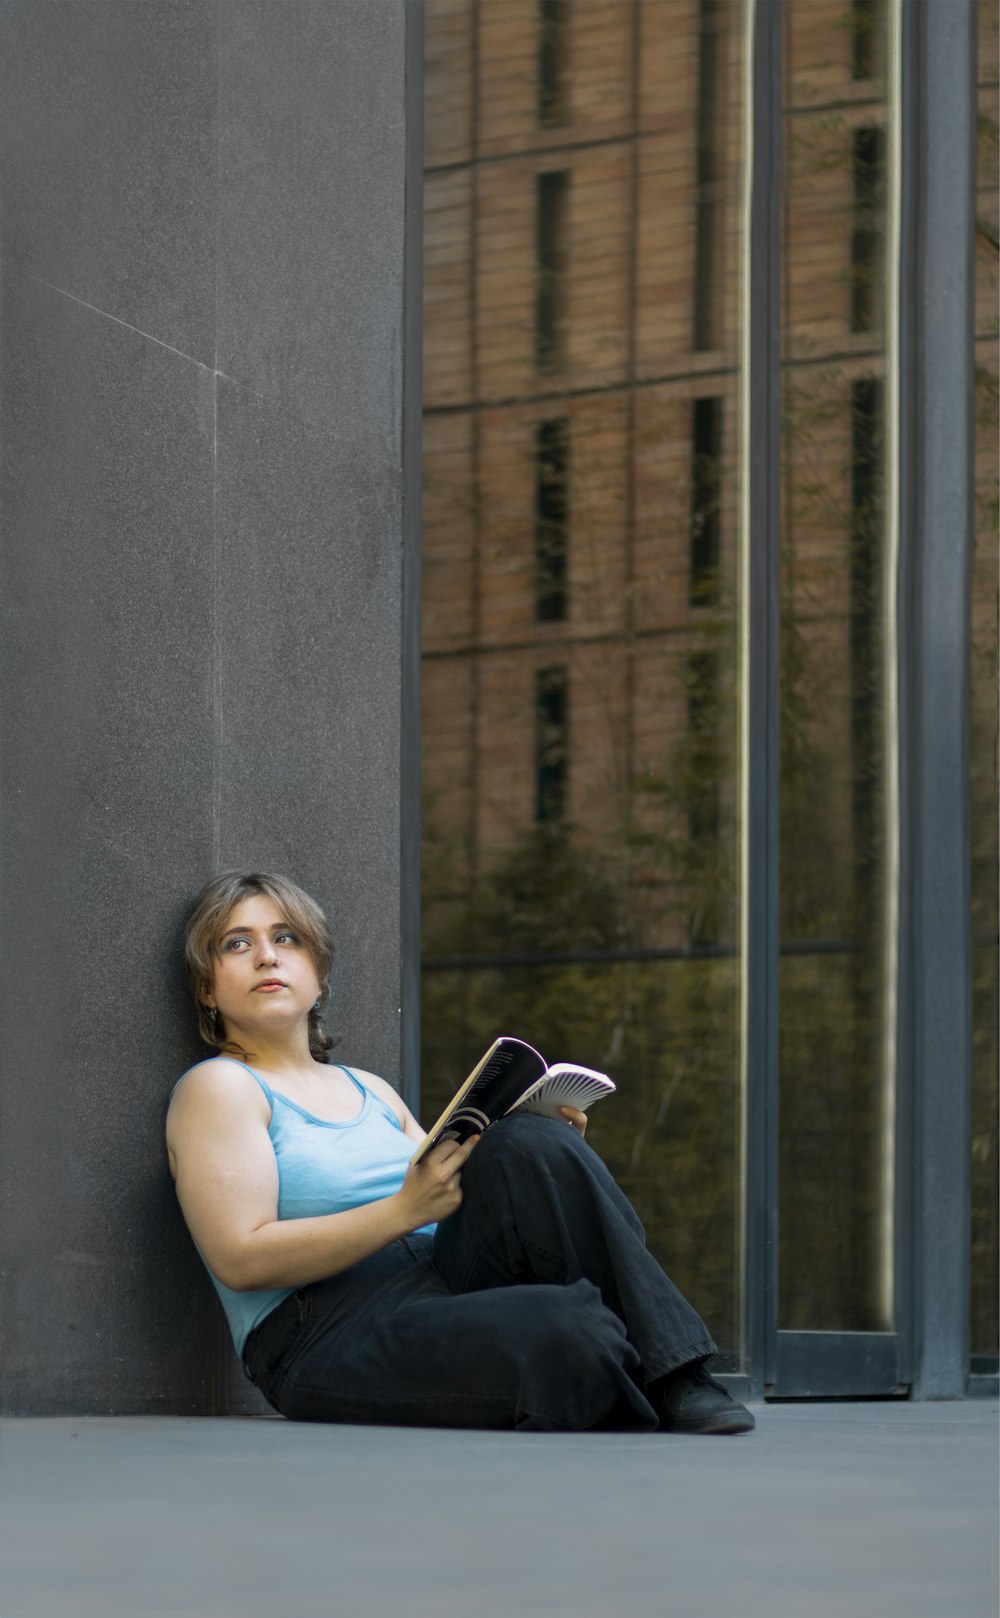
column 511, row 1075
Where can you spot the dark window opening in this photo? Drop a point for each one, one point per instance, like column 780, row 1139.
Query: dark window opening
column 706, row 269
column 553, row 195
column 867, row 33
column 551, row 743
column 553, row 45
column 551, row 520
column 867, row 518
column 705, row 501
column 867, row 241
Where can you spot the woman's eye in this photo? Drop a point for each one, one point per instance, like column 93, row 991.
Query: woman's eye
column 233, row 944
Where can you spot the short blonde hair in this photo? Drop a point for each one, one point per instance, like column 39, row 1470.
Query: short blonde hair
column 205, row 922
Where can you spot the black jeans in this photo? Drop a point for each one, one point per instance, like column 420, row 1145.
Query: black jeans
column 537, row 1306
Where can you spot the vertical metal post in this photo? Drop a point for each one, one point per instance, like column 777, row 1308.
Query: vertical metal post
column 761, row 379
column 936, row 559
column 412, row 406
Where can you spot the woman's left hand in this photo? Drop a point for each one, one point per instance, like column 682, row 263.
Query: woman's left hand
column 575, row 1118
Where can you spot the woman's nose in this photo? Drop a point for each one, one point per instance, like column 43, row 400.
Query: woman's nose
column 266, row 952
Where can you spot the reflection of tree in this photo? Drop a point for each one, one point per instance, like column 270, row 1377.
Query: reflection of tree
column 667, row 1030
column 686, row 831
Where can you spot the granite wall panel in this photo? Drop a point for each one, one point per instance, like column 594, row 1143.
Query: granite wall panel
column 200, row 577
column 108, row 134
column 308, row 637
column 106, row 752
column 311, row 141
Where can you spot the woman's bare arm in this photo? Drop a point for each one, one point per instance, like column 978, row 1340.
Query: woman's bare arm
column 227, row 1183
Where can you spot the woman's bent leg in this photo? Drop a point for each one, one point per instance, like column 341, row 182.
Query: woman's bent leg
column 540, row 1206
column 388, row 1343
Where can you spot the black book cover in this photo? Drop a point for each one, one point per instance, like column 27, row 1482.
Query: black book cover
column 509, row 1067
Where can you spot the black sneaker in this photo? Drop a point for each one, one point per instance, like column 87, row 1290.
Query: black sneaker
column 691, row 1401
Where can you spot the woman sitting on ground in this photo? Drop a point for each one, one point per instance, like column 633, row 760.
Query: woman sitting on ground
column 500, row 1283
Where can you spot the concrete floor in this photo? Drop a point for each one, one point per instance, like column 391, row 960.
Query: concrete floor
column 827, row 1511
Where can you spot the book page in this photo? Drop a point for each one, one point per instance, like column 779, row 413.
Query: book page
column 565, row 1085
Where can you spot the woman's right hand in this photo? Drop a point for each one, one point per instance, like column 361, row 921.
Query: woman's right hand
column 432, row 1188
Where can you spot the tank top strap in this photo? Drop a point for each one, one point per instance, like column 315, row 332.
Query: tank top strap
column 367, row 1093
column 353, row 1078
column 269, row 1093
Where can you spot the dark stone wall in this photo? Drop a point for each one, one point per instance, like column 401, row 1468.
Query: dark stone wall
column 201, row 509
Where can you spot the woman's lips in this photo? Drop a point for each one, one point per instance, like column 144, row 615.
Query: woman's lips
column 268, row 988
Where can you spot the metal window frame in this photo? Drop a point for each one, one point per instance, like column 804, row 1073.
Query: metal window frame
column 936, row 494
column 935, row 359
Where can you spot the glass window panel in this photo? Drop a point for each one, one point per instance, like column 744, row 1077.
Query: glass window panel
column 983, row 730
column 835, row 1112
column 581, row 559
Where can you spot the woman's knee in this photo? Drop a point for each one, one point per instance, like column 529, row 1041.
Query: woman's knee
column 578, row 1367
column 570, row 1325
column 529, row 1128
column 525, row 1136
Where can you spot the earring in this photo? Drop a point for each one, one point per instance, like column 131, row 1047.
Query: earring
column 317, row 1004
column 213, row 1012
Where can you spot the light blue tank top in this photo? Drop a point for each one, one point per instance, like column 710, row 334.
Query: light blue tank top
column 323, row 1168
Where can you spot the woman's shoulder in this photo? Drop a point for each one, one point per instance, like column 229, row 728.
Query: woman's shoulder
column 216, row 1078
column 216, row 1100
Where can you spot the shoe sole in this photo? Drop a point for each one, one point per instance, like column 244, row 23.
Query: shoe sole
column 724, row 1422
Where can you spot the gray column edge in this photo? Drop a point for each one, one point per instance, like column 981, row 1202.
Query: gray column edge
column 412, row 405
column 939, row 140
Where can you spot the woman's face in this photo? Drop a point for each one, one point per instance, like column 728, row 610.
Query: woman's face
column 264, row 974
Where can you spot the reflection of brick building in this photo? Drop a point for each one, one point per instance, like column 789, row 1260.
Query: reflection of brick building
column 582, row 360
column 567, row 227
column 584, row 241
